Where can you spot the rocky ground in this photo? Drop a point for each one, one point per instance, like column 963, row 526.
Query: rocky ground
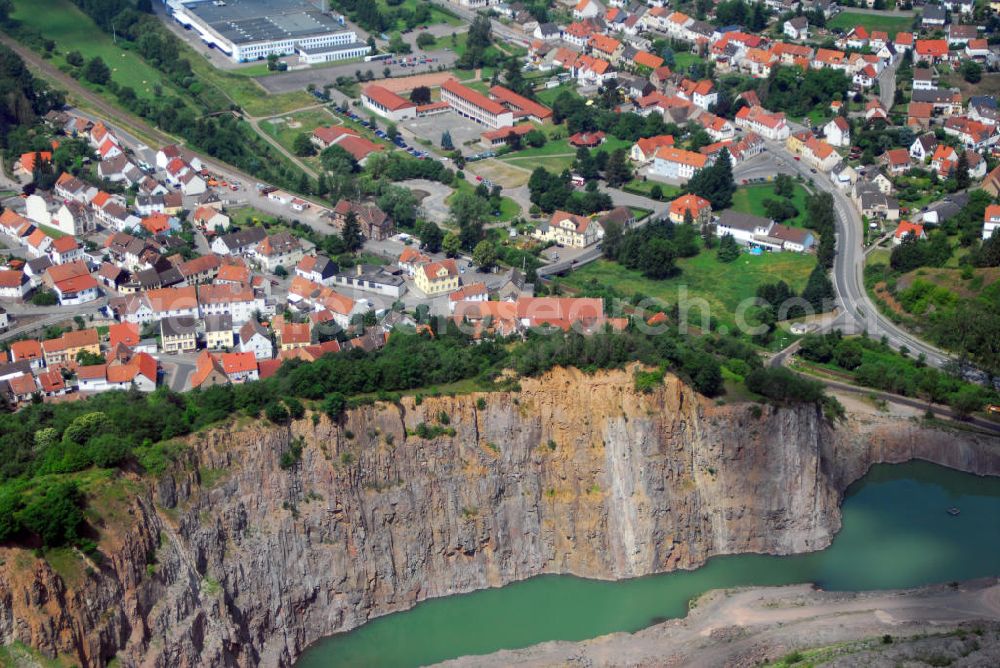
column 797, row 625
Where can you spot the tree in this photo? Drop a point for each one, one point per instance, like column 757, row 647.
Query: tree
column 96, row 71
column 535, row 138
column 656, row 259
column 966, row 401
column 971, row 71
column 819, row 290
column 351, row 233
column 431, row 237
column 962, row 170
column 715, row 183
column 446, row 142
column 451, row 244
column 54, row 514
column 400, row 204
column 613, row 232
column 656, row 192
column 728, row 249
column 470, row 213
column 618, row 170
column 280, row 271
column 420, row 95
column 304, row 186
column 276, row 412
column 425, row 39
column 334, row 405
column 87, row 358
column 392, row 131
column 338, row 161
column 75, row 58
column 397, row 44
column 485, row 255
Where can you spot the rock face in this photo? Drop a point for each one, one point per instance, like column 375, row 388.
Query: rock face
column 230, row 559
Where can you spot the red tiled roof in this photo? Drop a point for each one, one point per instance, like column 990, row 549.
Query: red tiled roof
column 238, row 363
column 386, row 98
column 510, row 98
column 473, row 97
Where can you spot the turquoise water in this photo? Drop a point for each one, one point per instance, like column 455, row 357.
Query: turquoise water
column 896, row 533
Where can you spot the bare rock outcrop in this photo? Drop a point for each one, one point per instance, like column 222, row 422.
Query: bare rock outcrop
column 228, row 559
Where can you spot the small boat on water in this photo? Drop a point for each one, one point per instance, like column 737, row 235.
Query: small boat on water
column 953, row 511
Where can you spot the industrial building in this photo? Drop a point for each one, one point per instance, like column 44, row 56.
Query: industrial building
column 248, row 30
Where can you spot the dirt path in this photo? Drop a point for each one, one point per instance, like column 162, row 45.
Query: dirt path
column 748, row 626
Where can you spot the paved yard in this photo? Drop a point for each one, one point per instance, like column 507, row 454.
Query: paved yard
column 462, row 130
column 298, row 80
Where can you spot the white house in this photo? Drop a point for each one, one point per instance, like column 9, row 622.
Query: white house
column 254, row 339
column 797, row 28
column 838, row 132
column 587, row 9
column 991, row 221
column 677, row 164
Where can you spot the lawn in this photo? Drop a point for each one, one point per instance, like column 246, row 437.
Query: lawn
column 438, row 15
column 722, row 286
column 61, row 21
column 549, row 95
column 684, row 60
column 888, row 23
column 51, row 231
column 750, row 199
column 72, row 30
column 281, row 127
column 562, row 147
column 640, row 187
column 456, row 44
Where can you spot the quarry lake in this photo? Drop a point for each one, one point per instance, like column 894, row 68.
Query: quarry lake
column 896, row 533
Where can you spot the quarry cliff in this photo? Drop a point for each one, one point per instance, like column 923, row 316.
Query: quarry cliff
column 238, row 555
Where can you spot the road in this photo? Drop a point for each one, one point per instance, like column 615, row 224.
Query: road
column 857, row 313
column 943, row 412
column 887, row 85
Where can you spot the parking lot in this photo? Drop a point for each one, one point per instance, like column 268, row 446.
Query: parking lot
column 462, row 130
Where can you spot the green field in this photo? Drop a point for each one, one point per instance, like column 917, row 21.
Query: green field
column 443, row 43
column 887, row 23
column 750, row 199
column 722, row 286
column 62, row 22
column 684, row 60
column 72, row 30
column 549, row 95
column 437, row 14
column 280, row 127
column 639, row 187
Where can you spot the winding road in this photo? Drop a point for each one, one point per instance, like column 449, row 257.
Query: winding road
column 857, row 312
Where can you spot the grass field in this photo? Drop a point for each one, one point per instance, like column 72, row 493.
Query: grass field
column 508, row 175
column 437, row 15
column 72, row 30
column 61, row 21
column 890, row 24
column 750, row 199
column 549, row 95
column 281, row 127
column 442, row 43
column 722, row 286
column 684, row 60
column 640, row 187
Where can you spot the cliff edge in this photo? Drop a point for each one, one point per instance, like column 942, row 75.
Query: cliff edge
column 229, row 558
